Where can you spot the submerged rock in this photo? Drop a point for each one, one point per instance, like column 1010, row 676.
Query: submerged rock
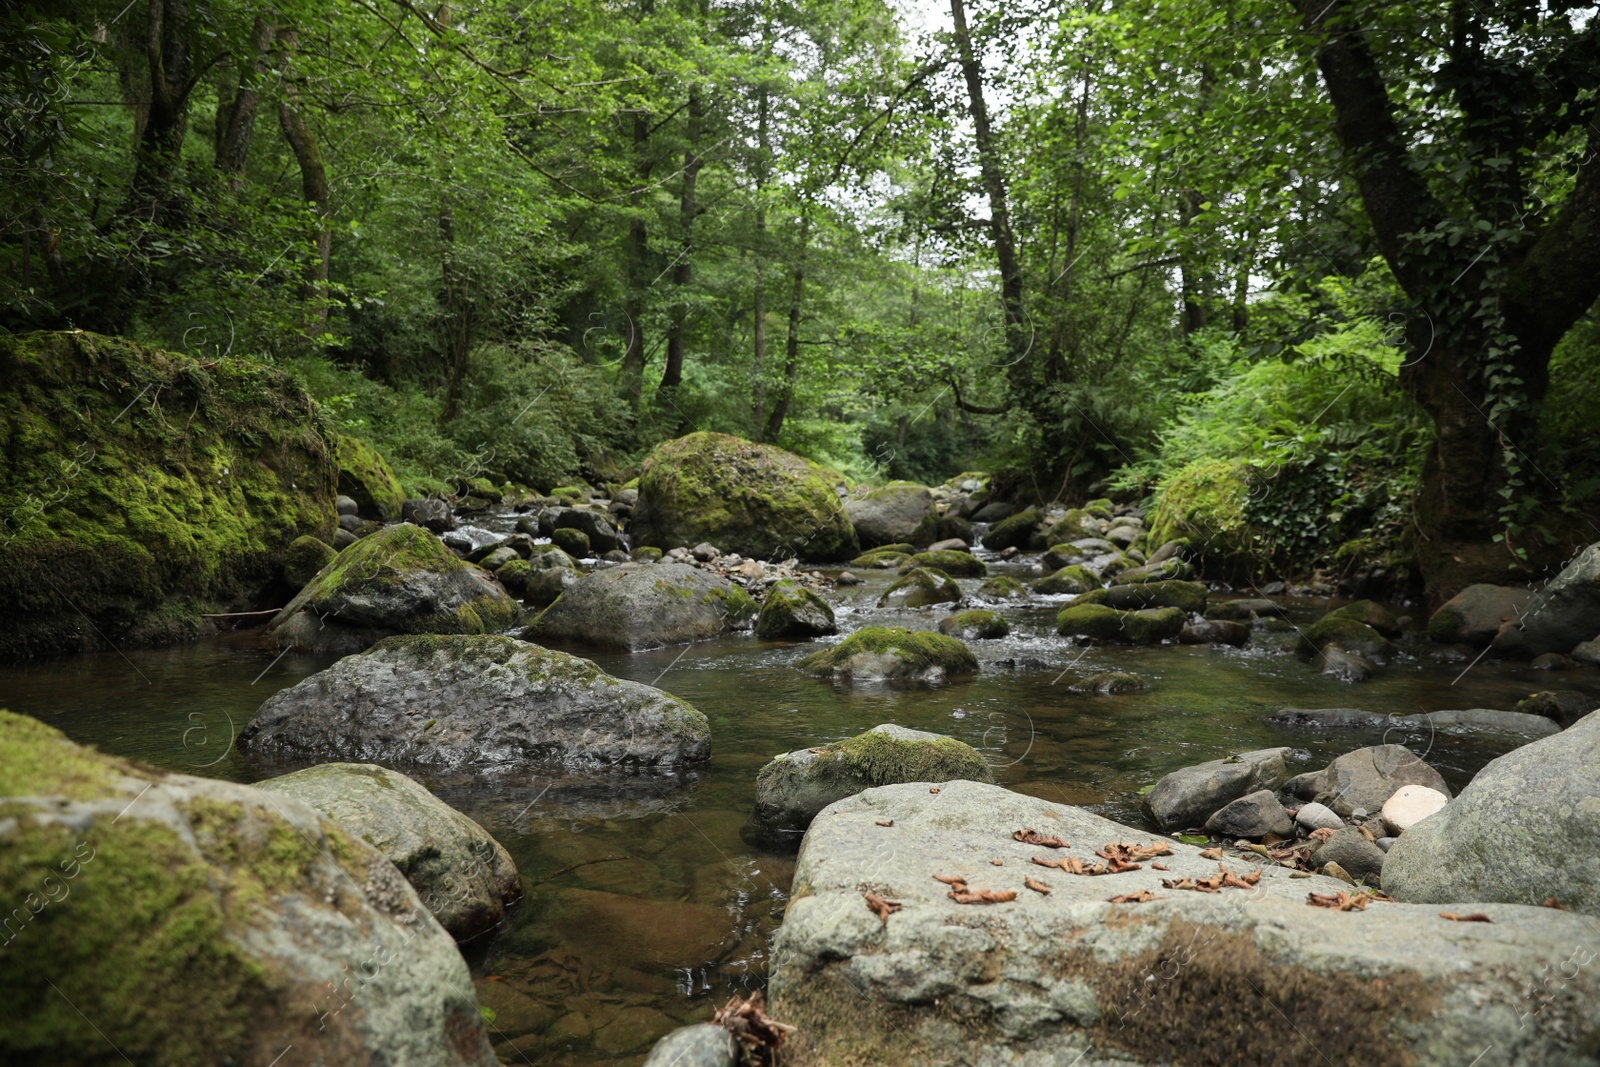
column 795, row 786
column 756, row 500
column 401, row 580
column 1244, row 610
column 1188, row 796
column 132, row 885
column 920, row 587
column 879, row 653
column 463, row 875
column 897, row 512
column 1525, row 829
column 1561, row 706
column 700, row 1045
column 974, row 625
column 645, row 605
column 1464, row 721
column 1215, row 632
column 1360, row 782
column 1069, row 977
column 792, row 612
column 1097, row 622
column 484, row 701
column 1110, row 683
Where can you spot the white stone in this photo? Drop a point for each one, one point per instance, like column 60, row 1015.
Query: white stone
column 1314, row 816
column 1410, row 805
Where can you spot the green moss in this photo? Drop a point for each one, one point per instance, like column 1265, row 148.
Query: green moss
column 961, row 564
column 1013, row 532
column 1097, row 622
column 793, row 611
column 646, row 554
column 1167, row 570
column 304, row 558
column 975, row 625
column 137, row 478
column 1186, row 596
column 571, row 541
column 882, row 558
column 1205, row 502
column 883, row 759
column 919, row 588
column 367, row 478
column 918, row 650
column 1069, row 579
column 1373, row 614
column 1004, row 587
column 1348, row 634
column 38, row 760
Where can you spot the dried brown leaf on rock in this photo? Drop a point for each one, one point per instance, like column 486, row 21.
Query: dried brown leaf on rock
column 1073, row 865
column 1322, row 834
column 1338, row 901
column 1378, row 894
column 1475, row 917
column 950, row 879
column 1036, row 885
column 997, row 863
column 885, row 822
column 934, row 789
column 1552, row 902
column 1034, row 837
column 1141, row 897
column 1211, row 854
column 1044, row 862
column 1238, row 881
column 1160, row 867
column 757, row 1033
column 880, row 907
column 962, row 895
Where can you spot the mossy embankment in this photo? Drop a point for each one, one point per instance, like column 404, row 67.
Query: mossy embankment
column 140, row 488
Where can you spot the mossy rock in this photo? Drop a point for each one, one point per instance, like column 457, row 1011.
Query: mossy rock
column 143, row 488
column 794, row 787
column 1074, row 524
column 1003, row 587
column 483, row 489
column 1372, row 613
column 1167, row 570
column 1205, row 502
column 1110, row 683
column 1013, row 532
column 645, row 554
column 950, row 561
column 792, row 612
column 127, row 885
column 645, row 605
column 1097, row 622
column 1188, row 596
column 897, row 512
column 367, row 478
column 976, row 624
column 1070, row 579
column 755, row 500
column 571, row 541
column 1101, row 509
column 1065, row 555
column 305, row 557
column 882, row 559
column 400, row 580
column 920, row 587
column 1348, row 634
column 881, row 653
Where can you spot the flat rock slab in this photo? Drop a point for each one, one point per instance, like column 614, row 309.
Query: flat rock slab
column 1463, row 721
column 1252, row 976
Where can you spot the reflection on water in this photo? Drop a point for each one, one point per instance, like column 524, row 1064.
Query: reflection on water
column 645, row 908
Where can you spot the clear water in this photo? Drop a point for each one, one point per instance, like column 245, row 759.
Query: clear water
column 645, row 908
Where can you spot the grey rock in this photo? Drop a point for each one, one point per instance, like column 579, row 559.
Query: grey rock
column 1168, row 570
column 1562, row 614
column 1475, row 615
column 949, row 544
column 430, row 513
column 700, row 1045
column 920, row 587
column 482, row 701
column 1386, row 843
column 1068, row 978
column 353, row 523
column 792, row 612
column 1215, row 632
column 645, row 605
column 1467, row 721
column 901, row 512
column 548, row 517
column 1188, row 796
column 463, row 875
column 1562, row 706
column 994, row 511
column 705, row 552
column 1587, row 652
column 1554, row 661
column 601, row 534
column 1350, row 849
column 343, row 539
column 345, row 505
column 1314, row 816
column 1254, row 815
column 1334, row 662
column 1243, row 610
column 1362, row 780
column 1526, row 828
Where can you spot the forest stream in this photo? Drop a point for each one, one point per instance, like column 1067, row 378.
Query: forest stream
column 645, row 908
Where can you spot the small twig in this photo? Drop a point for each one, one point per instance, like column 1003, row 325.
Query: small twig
column 237, row 614
column 575, row 866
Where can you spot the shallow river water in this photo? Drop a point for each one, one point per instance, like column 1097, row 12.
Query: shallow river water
column 645, row 908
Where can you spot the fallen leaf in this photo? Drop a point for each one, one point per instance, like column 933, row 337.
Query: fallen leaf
column 1193, row 839
column 997, row 863
column 880, row 907
column 933, row 789
column 1211, row 854
column 1338, row 901
column 885, row 822
column 1044, row 862
column 1036, row 885
column 1034, row 837
column 950, row 879
column 756, row 1032
column 1552, row 902
column 1322, row 834
column 1378, row 894
column 962, row 895
column 1142, row 896
column 1159, row 867
column 1135, row 853
column 1475, row 917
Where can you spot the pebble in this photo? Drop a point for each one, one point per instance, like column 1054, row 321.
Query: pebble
column 1314, row 816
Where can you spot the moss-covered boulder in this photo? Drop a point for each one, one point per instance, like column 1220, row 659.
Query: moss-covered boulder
column 792, row 612
column 1205, row 502
column 1003, row 587
column 572, row 541
column 645, row 605
column 881, row 653
column 1069, row 579
column 304, row 558
column 1372, row 613
column 977, row 624
column 143, row 488
column 400, row 580
column 1168, row 570
column 756, row 500
column 920, row 587
column 882, row 558
column 367, row 478
column 645, row 554
column 1110, row 683
column 1186, row 596
column 172, row 920
column 1014, row 531
column 897, row 512
column 795, row 786
column 463, row 875
column 1097, row 622
column 1348, row 634
column 483, row 701
column 951, row 561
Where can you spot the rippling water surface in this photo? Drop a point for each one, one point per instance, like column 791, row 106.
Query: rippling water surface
column 645, row 908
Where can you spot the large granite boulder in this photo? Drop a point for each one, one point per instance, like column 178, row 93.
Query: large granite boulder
column 167, row 919
column 485, row 701
column 1190, row 795
column 463, row 875
column 792, row 612
column 897, row 512
column 884, row 654
column 1475, row 615
column 1360, row 782
column 1525, row 829
column 1562, row 615
column 645, row 605
column 752, row 499
column 400, row 580
column 796, row 785
column 1247, row 975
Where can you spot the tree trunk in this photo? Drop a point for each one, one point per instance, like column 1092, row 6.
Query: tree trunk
column 638, row 252
column 791, row 343
column 683, row 270
column 758, row 369
column 314, row 188
column 236, row 120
